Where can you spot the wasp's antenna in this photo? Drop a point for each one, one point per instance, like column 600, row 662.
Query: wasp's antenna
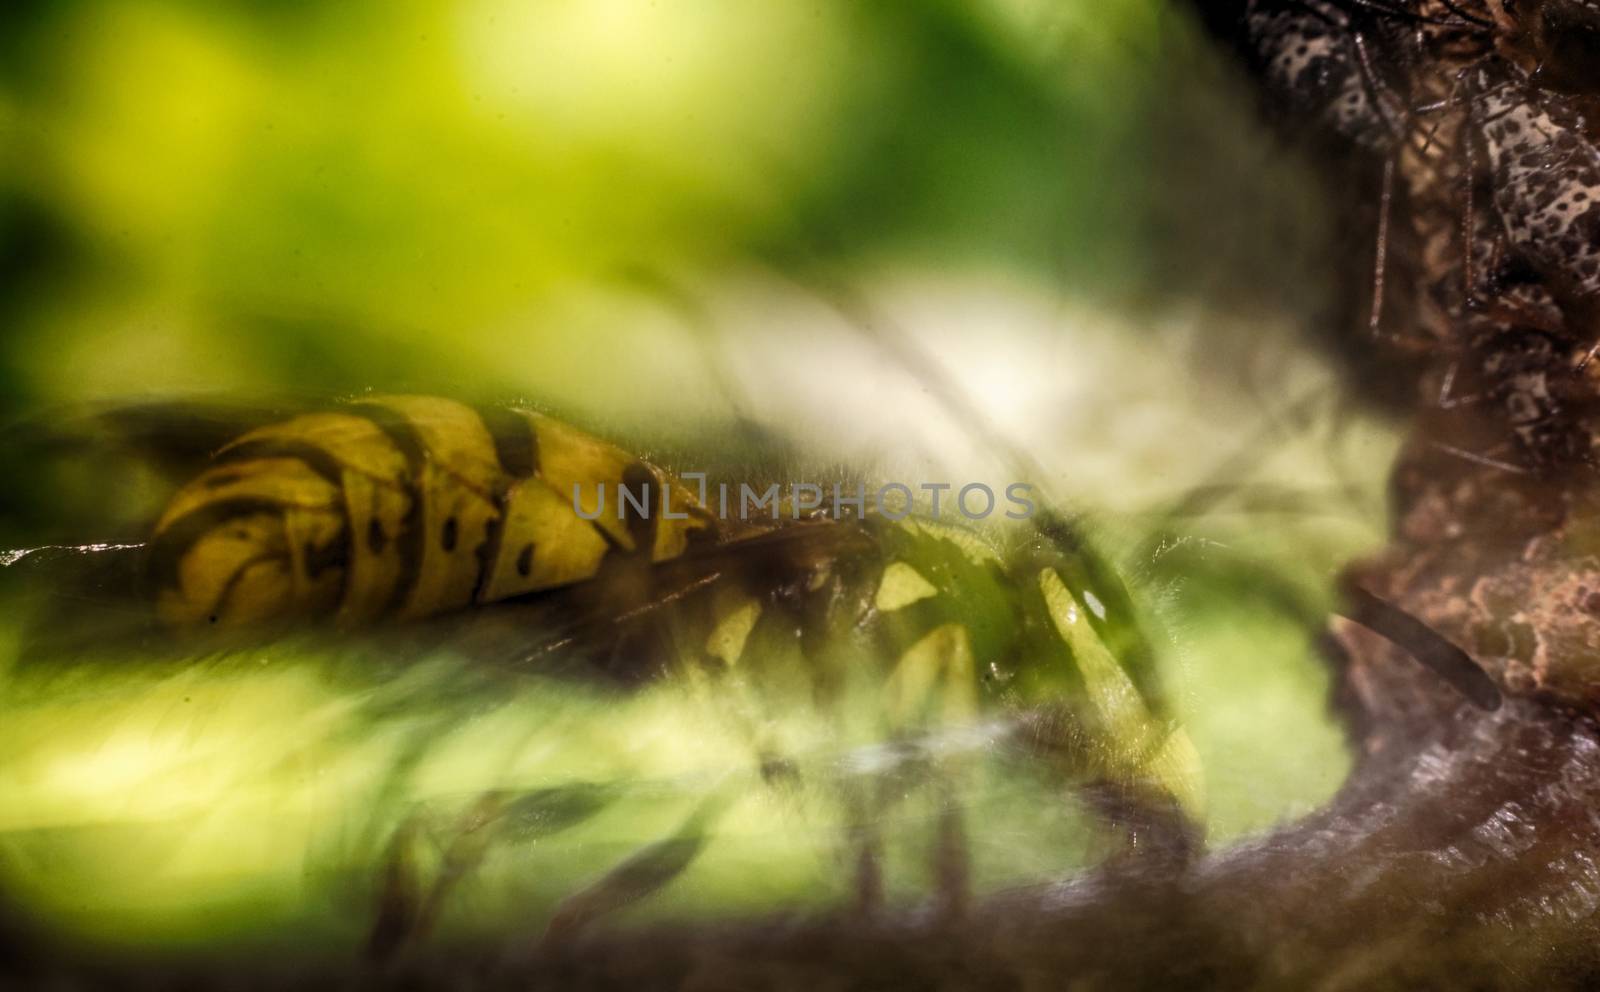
column 1423, row 643
column 1200, row 498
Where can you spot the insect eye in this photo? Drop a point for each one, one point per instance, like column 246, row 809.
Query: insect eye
column 1569, row 42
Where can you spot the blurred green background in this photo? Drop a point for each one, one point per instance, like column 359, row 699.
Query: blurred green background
column 233, row 196
column 871, row 230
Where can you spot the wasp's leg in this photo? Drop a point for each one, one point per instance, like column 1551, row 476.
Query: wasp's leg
column 1150, row 761
column 408, row 907
column 862, row 809
column 1154, row 828
column 400, row 898
column 952, row 857
column 948, row 857
column 643, row 874
column 935, row 686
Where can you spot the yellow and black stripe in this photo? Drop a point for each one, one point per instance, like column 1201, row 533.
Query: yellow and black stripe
column 404, row 507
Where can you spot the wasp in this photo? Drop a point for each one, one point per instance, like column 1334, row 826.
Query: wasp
column 909, row 644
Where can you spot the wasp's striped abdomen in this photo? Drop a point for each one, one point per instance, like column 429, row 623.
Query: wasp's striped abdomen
column 404, row 506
